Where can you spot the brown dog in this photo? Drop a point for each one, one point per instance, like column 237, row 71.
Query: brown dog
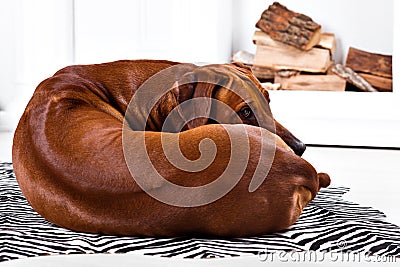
column 70, row 162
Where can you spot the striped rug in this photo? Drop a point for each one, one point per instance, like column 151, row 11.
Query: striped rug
column 328, row 224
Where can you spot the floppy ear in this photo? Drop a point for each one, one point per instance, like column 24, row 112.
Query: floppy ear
column 192, row 90
column 240, row 65
column 246, row 70
column 202, row 90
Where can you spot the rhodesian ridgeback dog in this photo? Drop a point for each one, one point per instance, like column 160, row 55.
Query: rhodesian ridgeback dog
column 74, row 147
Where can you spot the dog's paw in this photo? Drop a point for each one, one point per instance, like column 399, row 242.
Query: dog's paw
column 324, row 180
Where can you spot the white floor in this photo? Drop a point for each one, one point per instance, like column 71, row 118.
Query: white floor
column 373, row 175
column 128, row 260
column 5, row 146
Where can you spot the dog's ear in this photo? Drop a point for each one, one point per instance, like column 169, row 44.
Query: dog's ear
column 193, row 90
column 240, row 65
column 202, row 90
column 246, row 70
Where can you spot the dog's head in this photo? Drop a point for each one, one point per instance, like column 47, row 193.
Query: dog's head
column 234, row 86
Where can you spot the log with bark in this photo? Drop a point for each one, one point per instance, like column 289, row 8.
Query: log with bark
column 371, row 63
column 289, row 27
column 382, row 84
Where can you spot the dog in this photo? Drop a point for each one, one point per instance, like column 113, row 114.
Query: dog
column 70, row 162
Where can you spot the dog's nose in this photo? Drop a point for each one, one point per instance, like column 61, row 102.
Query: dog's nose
column 299, row 148
column 295, row 144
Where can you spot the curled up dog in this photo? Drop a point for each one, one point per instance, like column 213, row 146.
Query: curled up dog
column 159, row 148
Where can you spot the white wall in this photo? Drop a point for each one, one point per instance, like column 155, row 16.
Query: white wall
column 43, row 36
column 364, row 24
column 36, row 41
column 180, row 30
column 7, row 51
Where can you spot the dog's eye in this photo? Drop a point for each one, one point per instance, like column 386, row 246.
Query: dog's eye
column 246, row 112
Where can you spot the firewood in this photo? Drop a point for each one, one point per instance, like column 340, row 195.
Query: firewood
column 287, row 73
column 328, row 41
column 312, row 82
column 382, row 84
column 352, row 77
column 286, row 57
column 261, row 38
column 289, row 27
column 365, row 62
column 263, row 73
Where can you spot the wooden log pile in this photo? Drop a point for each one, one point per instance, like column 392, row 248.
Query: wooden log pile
column 293, row 51
column 288, row 40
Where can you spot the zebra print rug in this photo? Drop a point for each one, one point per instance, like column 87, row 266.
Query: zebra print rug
column 328, row 224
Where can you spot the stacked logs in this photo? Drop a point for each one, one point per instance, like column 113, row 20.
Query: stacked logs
column 293, row 51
